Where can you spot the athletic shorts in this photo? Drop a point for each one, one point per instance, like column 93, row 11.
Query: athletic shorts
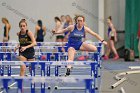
column 28, row 53
column 76, row 45
column 112, row 38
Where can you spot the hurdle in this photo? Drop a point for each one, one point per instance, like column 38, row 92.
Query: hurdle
column 93, row 68
column 134, row 67
column 126, row 73
column 96, row 57
column 48, row 56
column 3, row 57
column 53, row 63
column 39, row 46
column 56, row 55
column 33, row 80
column 119, row 82
column 117, row 77
column 122, row 90
column 48, row 43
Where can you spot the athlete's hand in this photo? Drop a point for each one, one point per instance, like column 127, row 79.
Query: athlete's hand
column 5, row 39
column 104, row 42
column 23, row 49
column 54, row 31
column 15, row 49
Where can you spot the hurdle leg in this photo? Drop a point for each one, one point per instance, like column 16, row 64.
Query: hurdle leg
column 56, row 70
column 48, row 70
column 42, row 69
column 32, row 87
column 2, row 70
column 42, row 87
column 5, row 84
column 19, row 85
column 42, row 74
column 8, row 56
column 94, row 74
column 33, row 69
column 96, row 58
column 32, row 74
column 48, row 74
column 99, row 65
column 1, row 66
column 9, row 70
column 96, row 77
column 57, row 58
column 88, row 85
column 48, row 59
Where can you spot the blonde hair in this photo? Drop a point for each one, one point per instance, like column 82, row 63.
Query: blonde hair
column 5, row 19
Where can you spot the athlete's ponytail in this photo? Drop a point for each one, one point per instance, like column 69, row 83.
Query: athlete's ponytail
column 40, row 23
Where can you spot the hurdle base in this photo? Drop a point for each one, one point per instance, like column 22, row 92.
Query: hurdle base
column 49, row 87
column 30, row 88
column 96, row 88
column 69, row 88
column 56, row 88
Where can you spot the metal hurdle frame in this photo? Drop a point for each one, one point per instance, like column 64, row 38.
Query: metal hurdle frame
column 54, row 63
column 20, row 80
column 97, row 58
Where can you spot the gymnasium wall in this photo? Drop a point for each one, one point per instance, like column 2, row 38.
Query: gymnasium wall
column 116, row 9
column 46, row 10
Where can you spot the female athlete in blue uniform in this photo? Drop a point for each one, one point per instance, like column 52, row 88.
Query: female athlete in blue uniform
column 77, row 32
column 112, row 38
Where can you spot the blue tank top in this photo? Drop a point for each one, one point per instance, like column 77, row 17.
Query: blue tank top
column 109, row 30
column 40, row 36
column 65, row 26
column 76, row 35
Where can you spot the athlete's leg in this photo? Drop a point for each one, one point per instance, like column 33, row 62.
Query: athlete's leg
column 88, row 47
column 22, row 67
column 71, row 53
column 107, row 52
column 114, row 49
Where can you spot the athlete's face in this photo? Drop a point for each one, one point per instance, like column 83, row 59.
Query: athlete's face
column 108, row 21
column 63, row 18
column 23, row 26
column 80, row 21
column 3, row 21
column 67, row 19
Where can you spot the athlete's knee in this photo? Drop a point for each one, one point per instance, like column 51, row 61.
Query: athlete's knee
column 23, row 68
column 94, row 49
column 112, row 47
column 71, row 49
column 70, row 60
